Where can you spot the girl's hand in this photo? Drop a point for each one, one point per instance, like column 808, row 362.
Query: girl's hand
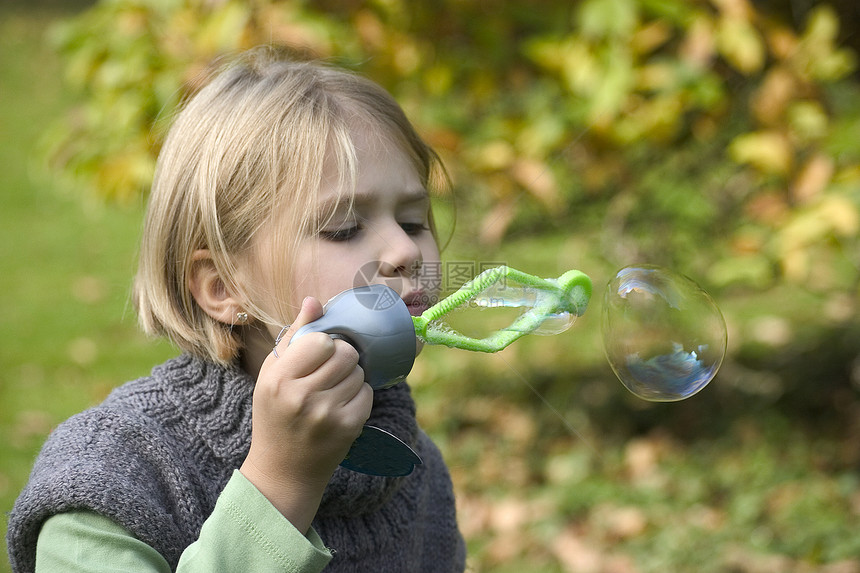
column 310, row 403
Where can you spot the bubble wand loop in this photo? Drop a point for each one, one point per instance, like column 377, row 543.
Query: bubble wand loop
column 570, row 293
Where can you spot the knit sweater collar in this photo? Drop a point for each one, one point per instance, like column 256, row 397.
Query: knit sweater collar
column 217, row 401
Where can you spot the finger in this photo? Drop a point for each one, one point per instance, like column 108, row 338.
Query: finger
column 334, row 369
column 352, row 400
column 348, row 387
column 322, row 359
column 310, row 311
column 305, row 357
column 356, row 409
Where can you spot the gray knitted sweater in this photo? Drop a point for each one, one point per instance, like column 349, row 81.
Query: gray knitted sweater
column 155, row 455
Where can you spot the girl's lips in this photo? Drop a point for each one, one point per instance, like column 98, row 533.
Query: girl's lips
column 416, row 309
column 416, row 302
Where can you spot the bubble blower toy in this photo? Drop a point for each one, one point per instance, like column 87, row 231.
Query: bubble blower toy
column 641, row 303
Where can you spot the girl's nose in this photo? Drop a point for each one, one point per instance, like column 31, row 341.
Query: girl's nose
column 400, row 253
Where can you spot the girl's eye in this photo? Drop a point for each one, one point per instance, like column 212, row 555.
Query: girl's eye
column 414, row 228
column 340, row 235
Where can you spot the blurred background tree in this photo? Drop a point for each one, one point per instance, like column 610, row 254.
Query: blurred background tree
column 539, row 112
column 564, row 112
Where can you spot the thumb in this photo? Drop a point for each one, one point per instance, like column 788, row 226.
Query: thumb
column 310, row 311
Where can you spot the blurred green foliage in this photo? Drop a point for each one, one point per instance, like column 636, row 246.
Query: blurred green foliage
column 669, row 122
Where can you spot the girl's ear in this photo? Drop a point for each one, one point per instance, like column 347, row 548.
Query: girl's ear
column 210, row 292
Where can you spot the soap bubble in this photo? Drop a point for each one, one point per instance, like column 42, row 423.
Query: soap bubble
column 663, row 335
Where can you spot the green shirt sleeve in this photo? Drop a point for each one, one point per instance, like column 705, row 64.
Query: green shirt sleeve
column 244, row 533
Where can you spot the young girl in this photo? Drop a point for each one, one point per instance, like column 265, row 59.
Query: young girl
column 279, row 183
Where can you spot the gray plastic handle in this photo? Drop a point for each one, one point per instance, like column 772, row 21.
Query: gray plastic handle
column 377, row 323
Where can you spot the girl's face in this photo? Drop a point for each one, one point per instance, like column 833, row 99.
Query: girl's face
column 383, row 237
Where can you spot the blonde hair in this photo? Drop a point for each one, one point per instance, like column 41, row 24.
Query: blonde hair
column 246, row 154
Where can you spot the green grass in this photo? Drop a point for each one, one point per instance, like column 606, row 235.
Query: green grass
column 749, row 475
column 67, row 333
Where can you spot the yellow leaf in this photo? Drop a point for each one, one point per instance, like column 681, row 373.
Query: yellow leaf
column 699, row 44
column 795, row 265
column 655, row 118
column 782, row 41
column 579, row 66
column 771, row 99
column 658, row 76
column 813, row 178
column 808, row 120
column 822, row 26
column 741, row 45
column 613, row 86
column 651, row 36
column 821, row 59
column 370, row 29
column 833, row 215
column 222, row 30
column 438, row 79
column 538, row 179
column 842, row 214
column 407, row 56
column 767, row 151
column 737, row 9
column 495, row 155
column 607, row 18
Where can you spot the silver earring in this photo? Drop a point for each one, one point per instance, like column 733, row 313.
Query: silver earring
column 241, row 317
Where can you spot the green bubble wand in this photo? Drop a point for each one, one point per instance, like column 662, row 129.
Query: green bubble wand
column 567, row 295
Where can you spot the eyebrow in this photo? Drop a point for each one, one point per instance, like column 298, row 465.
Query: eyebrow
column 410, row 195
